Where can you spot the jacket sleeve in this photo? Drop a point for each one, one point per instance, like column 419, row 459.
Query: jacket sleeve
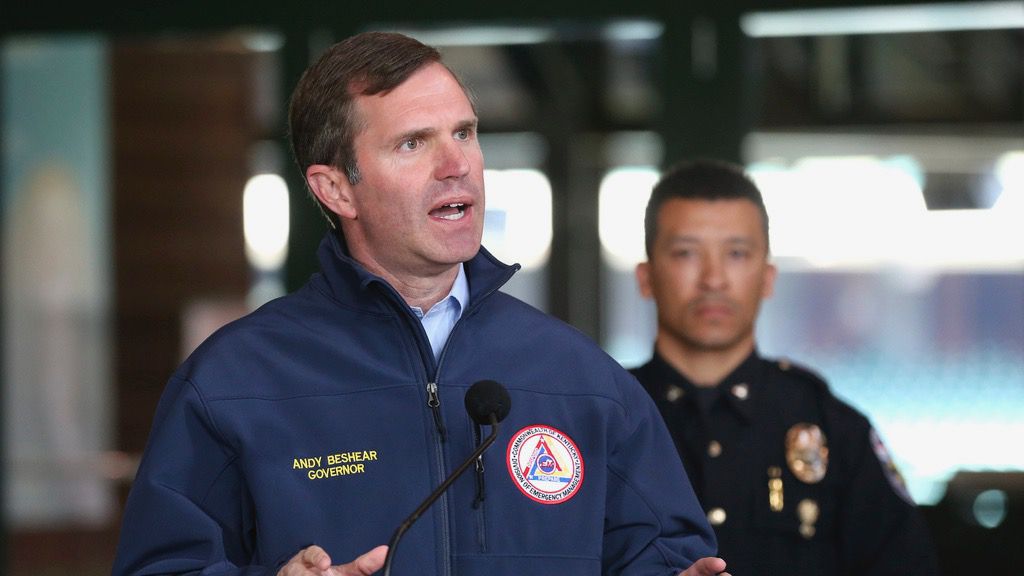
column 654, row 524
column 187, row 512
column 881, row 531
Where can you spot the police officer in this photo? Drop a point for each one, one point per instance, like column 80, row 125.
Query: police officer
column 793, row 480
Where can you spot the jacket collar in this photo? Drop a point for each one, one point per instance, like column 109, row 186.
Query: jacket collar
column 349, row 282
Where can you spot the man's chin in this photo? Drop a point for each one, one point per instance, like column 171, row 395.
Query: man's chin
column 717, row 342
column 454, row 255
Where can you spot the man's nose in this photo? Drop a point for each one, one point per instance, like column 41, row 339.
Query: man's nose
column 453, row 161
column 712, row 272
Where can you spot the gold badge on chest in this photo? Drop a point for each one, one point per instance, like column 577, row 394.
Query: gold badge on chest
column 807, row 452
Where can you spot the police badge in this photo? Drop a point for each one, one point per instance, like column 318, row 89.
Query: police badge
column 807, row 452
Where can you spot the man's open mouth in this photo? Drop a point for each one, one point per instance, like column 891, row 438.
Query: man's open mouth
column 453, row 211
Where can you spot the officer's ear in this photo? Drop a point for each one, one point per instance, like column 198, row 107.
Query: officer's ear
column 643, row 279
column 332, row 188
column 768, row 282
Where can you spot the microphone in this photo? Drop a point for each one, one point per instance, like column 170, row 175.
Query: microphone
column 487, row 402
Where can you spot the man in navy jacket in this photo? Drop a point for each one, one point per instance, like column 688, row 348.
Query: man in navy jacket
column 302, row 434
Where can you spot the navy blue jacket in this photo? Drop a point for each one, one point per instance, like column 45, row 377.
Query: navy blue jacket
column 309, row 422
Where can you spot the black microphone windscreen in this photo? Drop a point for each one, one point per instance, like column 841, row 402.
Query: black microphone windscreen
column 487, row 397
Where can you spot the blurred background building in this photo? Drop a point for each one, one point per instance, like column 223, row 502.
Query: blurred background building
column 147, row 196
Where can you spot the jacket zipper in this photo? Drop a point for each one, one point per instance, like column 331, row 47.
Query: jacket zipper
column 478, row 501
column 434, row 401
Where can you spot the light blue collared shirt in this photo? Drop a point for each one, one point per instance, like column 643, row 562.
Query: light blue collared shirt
column 441, row 318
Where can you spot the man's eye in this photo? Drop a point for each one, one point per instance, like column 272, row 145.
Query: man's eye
column 410, row 144
column 462, row 134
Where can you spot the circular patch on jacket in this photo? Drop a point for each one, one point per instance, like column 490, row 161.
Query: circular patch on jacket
column 545, row 464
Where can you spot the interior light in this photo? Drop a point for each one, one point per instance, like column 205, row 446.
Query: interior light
column 481, row 35
column 833, row 211
column 263, row 41
column 884, row 19
column 622, row 202
column 265, row 221
column 633, row 30
column 517, row 225
column 863, row 212
column 1010, row 172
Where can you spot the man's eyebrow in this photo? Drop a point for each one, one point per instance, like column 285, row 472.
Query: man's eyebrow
column 415, row 134
column 468, row 124
column 690, row 239
column 423, row 133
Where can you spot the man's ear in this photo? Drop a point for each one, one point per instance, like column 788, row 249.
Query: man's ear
column 643, row 279
column 332, row 188
column 768, row 285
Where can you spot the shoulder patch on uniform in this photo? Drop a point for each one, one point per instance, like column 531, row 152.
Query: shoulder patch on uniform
column 544, row 464
column 892, row 473
column 802, row 374
column 788, row 366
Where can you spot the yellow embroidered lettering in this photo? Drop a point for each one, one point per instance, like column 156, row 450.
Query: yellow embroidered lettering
column 346, row 457
column 343, row 470
column 337, row 464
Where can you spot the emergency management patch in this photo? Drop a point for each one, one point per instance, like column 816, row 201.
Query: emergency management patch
column 892, row 473
column 545, row 464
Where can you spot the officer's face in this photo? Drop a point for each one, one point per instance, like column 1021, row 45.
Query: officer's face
column 708, row 272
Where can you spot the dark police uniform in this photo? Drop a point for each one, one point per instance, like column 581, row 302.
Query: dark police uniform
column 793, row 480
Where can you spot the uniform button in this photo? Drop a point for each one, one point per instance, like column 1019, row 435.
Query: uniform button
column 674, row 393
column 716, row 516
column 714, row 449
column 741, row 391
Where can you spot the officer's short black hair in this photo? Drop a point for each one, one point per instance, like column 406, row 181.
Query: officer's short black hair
column 701, row 179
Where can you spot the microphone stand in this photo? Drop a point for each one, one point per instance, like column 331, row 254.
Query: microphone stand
column 408, row 522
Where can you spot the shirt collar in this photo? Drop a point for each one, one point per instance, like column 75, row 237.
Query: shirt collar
column 741, row 387
column 460, row 289
column 459, row 293
column 738, row 389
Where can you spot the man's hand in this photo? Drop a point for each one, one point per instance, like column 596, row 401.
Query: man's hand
column 314, row 561
column 706, row 567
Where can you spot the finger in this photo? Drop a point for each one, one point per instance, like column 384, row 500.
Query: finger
column 312, row 557
column 705, row 567
column 366, row 564
column 315, row 557
column 714, row 565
